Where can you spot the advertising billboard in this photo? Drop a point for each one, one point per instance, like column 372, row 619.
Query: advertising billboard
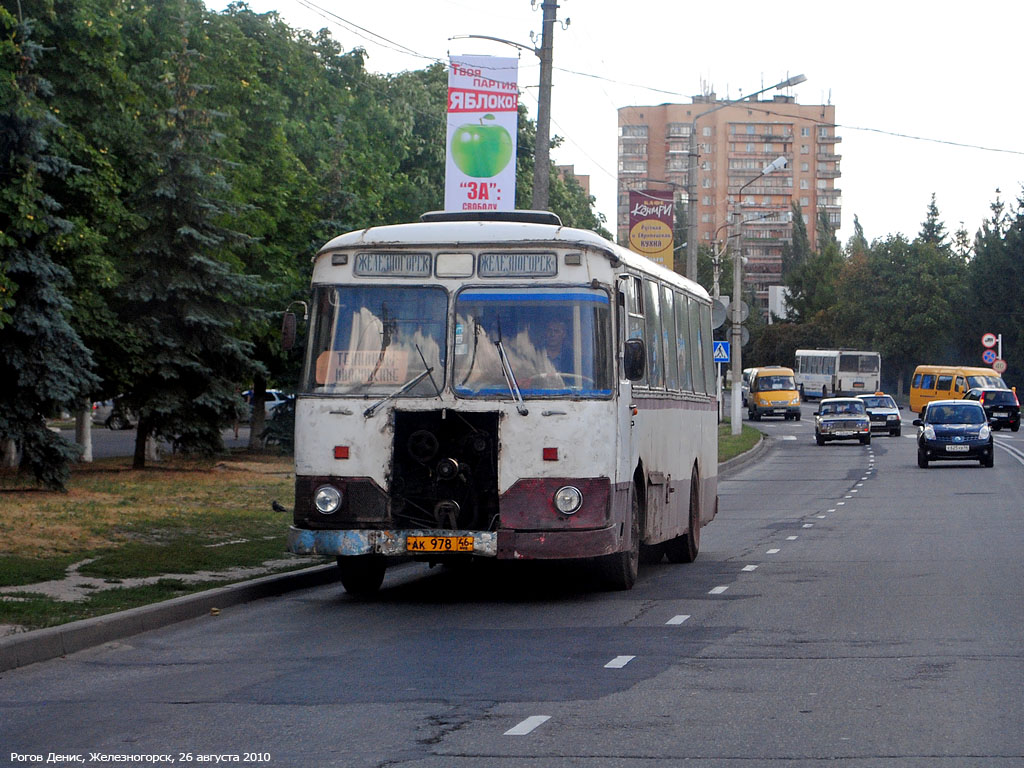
column 483, row 112
column 651, row 217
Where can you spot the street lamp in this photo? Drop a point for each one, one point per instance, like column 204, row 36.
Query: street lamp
column 736, row 347
column 691, row 174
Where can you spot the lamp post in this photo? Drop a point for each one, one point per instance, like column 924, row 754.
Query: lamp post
column 691, row 173
column 736, row 347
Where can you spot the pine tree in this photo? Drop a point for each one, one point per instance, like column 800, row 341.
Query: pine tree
column 46, row 368
column 933, row 230
column 184, row 297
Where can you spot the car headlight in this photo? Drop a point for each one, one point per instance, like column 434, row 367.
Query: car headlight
column 795, row 400
column 327, row 499
column 568, row 500
column 929, row 432
column 984, row 432
column 892, row 417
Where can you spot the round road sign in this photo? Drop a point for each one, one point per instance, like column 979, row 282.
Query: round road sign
column 988, row 356
column 989, row 340
column 999, row 366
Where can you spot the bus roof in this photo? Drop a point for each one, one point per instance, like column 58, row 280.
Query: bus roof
column 490, row 232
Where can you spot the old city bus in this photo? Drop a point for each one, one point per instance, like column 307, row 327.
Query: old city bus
column 837, row 372
column 501, row 386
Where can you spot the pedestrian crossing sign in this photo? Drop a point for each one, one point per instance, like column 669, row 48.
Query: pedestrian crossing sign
column 721, row 351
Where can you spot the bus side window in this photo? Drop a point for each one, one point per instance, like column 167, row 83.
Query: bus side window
column 696, row 358
column 668, row 329
column 944, row 383
column 960, row 384
column 928, row 381
column 655, row 354
column 682, row 343
column 635, row 310
column 916, row 383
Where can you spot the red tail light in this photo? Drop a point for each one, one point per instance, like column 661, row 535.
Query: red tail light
column 982, row 398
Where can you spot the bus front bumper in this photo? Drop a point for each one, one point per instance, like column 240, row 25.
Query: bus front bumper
column 503, row 545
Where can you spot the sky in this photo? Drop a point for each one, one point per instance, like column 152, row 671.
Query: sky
column 926, row 94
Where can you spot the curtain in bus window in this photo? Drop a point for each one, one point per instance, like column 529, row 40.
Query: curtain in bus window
column 696, row 358
column 682, row 343
column 944, row 383
column 557, row 341
column 374, row 339
column 652, row 316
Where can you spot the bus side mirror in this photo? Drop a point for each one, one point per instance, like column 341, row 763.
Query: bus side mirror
column 634, row 359
column 288, row 324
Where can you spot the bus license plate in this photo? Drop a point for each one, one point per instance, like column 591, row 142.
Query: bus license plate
column 958, row 448
column 439, row 544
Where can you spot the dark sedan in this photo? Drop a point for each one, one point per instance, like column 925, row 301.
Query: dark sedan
column 1001, row 406
column 955, row 430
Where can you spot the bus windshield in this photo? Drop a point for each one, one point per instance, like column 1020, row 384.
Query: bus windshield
column 557, row 341
column 371, row 340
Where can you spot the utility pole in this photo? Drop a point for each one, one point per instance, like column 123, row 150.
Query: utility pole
column 542, row 152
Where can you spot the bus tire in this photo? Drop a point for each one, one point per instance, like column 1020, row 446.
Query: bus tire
column 362, row 575
column 684, row 549
column 619, row 570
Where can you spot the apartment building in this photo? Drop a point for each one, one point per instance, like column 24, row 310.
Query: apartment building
column 735, row 142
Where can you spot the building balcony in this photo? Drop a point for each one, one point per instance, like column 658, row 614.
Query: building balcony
column 827, row 157
column 828, row 174
column 829, row 139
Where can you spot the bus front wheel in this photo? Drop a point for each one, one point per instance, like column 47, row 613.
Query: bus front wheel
column 621, row 568
column 362, row 575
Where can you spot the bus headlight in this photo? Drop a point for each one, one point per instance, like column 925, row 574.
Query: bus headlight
column 327, row 499
column 568, row 500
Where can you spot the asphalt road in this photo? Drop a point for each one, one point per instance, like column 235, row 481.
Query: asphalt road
column 847, row 607
column 108, row 443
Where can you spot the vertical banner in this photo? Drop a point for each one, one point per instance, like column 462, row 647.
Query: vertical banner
column 651, row 217
column 483, row 117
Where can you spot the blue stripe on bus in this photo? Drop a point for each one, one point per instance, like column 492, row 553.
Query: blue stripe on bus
column 541, row 297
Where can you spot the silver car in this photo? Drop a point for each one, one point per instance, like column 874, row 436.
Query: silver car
column 883, row 412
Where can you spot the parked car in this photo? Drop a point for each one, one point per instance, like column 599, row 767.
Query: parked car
column 954, row 430
column 272, row 399
column 1001, row 406
column 119, row 417
column 842, row 418
column 883, row 413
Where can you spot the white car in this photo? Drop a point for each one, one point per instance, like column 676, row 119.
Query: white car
column 274, row 397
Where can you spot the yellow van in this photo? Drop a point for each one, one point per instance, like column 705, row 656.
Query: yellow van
column 773, row 392
column 948, row 382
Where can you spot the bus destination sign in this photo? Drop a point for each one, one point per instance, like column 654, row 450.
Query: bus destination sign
column 382, row 264
column 517, row 265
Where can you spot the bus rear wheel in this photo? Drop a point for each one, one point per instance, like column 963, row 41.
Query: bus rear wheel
column 362, row 575
column 684, row 549
column 620, row 569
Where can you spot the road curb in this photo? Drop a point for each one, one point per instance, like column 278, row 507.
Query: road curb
column 733, row 465
column 42, row 644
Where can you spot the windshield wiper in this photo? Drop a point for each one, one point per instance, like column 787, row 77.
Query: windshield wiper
column 510, row 376
column 404, row 388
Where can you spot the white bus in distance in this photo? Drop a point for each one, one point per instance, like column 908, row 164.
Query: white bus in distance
column 837, row 372
column 500, row 386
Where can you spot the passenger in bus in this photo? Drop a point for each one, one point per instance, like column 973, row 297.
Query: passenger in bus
column 558, row 352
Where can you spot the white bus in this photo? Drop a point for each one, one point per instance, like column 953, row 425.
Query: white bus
column 500, row 386
column 837, row 372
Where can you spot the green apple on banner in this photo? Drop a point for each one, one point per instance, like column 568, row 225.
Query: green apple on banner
column 483, row 149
